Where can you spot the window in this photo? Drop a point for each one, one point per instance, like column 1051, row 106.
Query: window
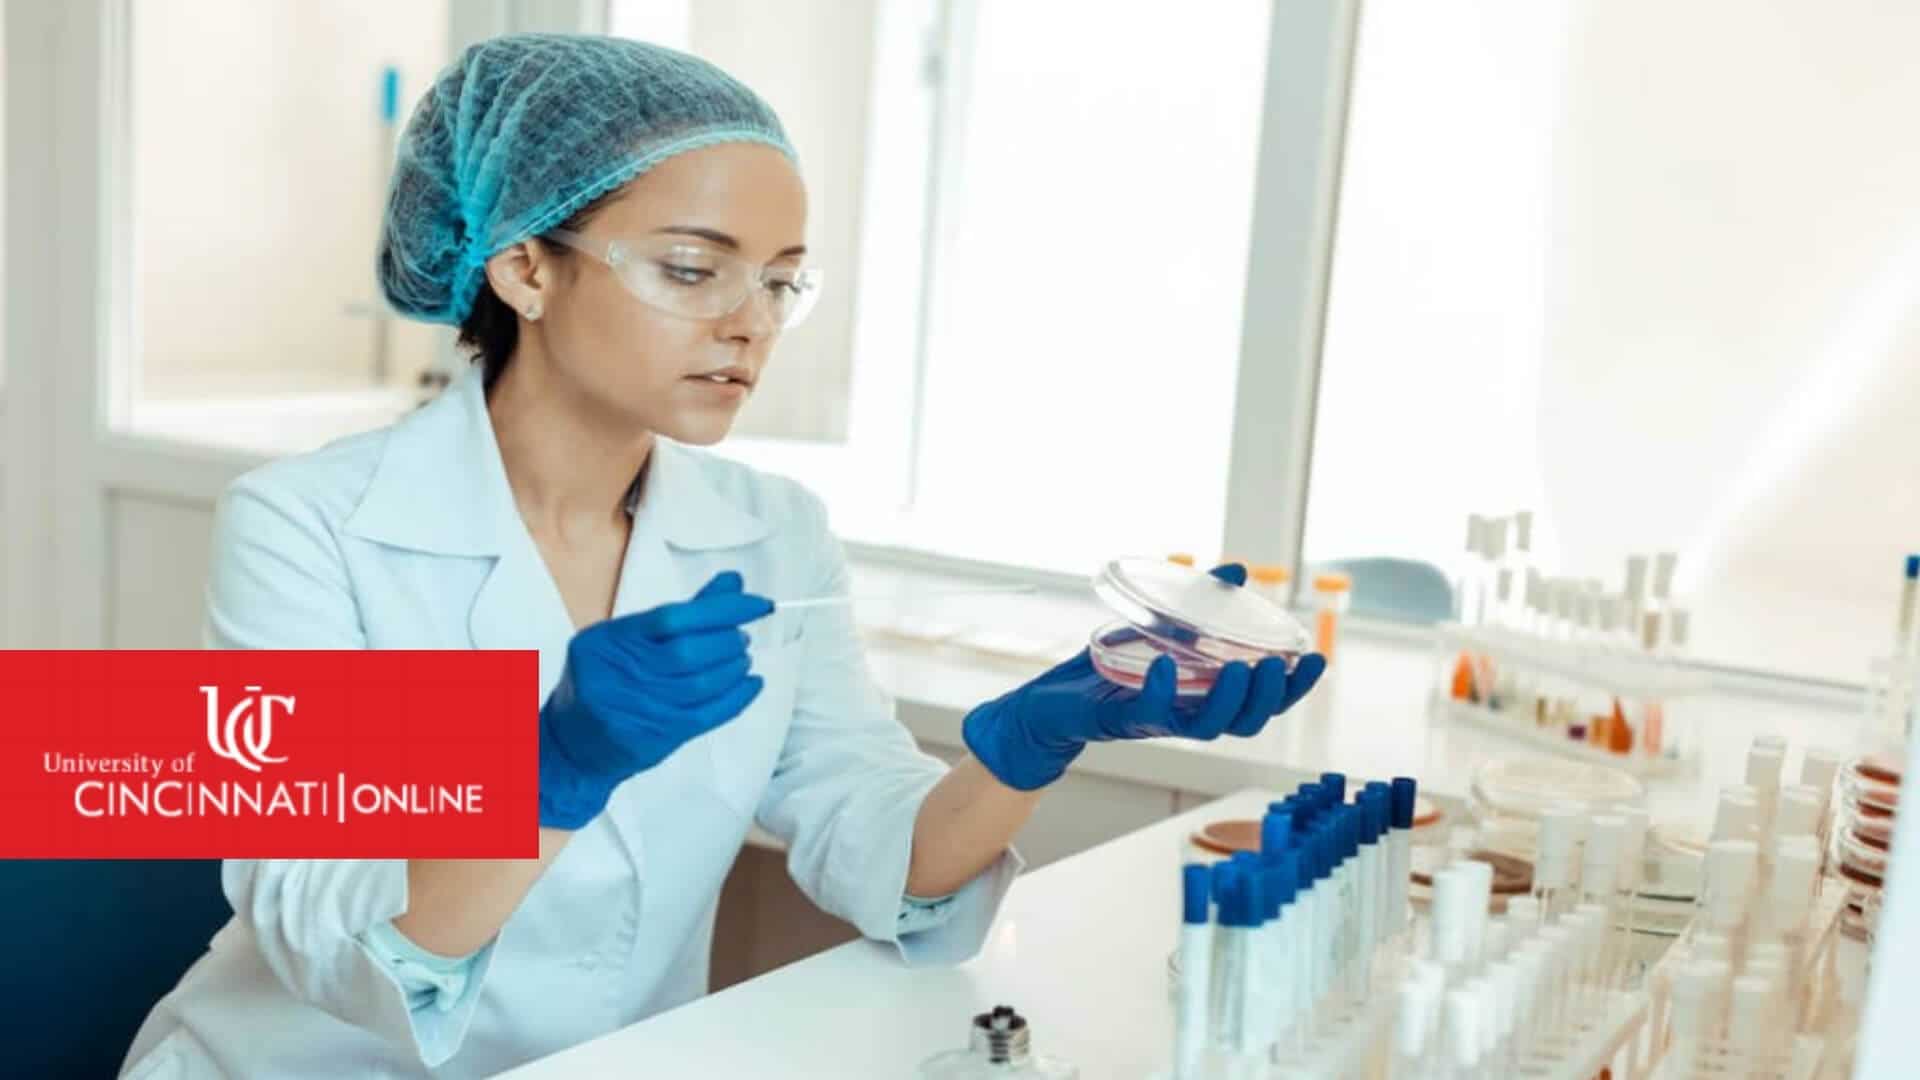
column 1653, row 271
column 834, row 405
column 256, row 174
column 1088, row 278
column 1037, row 246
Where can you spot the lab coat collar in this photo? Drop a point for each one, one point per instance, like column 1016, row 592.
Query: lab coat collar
column 440, row 487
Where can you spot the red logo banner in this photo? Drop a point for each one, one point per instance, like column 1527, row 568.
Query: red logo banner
column 269, row 754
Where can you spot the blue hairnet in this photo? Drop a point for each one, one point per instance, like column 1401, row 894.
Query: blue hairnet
column 521, row 132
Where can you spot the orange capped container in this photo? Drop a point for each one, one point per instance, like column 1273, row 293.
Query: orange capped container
column 1270, row 580
column 1332, row 595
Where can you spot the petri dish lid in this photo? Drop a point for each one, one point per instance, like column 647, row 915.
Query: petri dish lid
column 1527, row 786
column 1190, row 607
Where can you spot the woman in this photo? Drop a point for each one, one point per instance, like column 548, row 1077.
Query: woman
column 617, row 230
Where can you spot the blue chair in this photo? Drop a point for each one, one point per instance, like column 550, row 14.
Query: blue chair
column 1385, row 587
column 91, row 945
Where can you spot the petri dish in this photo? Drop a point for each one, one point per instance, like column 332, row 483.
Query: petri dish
column 1121, row 654
column 1862, row 860
column 1872, row 784
column 1527, row 786
column 1203, row 623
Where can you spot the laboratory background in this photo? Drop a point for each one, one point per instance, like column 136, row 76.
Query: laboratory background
column 1554, row 364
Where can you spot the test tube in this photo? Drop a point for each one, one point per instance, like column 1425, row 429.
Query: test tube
column 1746, row 1019
column 1664, row 564
column 1765, row 757
column 1449, row 920
column 1555, row 957
column 1253, row 1024
column 1288, row 991
column 1379, row 796
column 1232, row 959
column 1636, row 591
column 1688, row 1018
column 1462, row 1018
column 1796, row 864
column 1529, row 972
column 1903, row 629
column 1553, row 869
column 1798, row 813
column 1592, row 936
column 1730, row 870
column 1737, row 816
column 1503, row 978
column 1191, row 1030
column 1405, row 796
column 1632, row 874
column 1479, row 877
column 1411, row 1017
column 1818, row 767
column 1523, row 919
column 1599, row 878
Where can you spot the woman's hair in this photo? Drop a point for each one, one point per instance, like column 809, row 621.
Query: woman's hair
column 491, row 331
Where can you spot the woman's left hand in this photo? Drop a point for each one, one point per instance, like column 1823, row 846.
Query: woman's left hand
column 1028, row 736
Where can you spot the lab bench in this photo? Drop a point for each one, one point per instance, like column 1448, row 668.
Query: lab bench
column 1080, row 948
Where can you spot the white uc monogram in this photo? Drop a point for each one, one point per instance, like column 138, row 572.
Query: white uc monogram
column 239, row 738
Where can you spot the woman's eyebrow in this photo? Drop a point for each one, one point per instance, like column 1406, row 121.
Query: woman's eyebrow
column 723, row 239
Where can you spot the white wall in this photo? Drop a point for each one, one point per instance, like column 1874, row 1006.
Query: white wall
column 1738, row 312
column 259, row 177
column 1654, row 270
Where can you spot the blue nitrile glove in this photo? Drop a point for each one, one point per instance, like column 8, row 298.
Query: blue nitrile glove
column 638, row 687
column 1028, row 736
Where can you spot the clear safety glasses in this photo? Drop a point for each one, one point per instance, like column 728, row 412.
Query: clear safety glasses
column 695, row 282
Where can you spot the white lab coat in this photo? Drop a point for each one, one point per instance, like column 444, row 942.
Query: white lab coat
column 408, row 538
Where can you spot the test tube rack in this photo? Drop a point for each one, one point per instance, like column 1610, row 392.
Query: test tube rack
column 1818, row 977
column 1612, row 674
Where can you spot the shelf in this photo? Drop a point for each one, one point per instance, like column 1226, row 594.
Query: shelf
column 1554, row 741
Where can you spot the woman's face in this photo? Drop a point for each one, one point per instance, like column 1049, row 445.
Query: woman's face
column 681, row 220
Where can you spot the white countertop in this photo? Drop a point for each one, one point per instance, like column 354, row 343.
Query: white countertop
column 1080, row 948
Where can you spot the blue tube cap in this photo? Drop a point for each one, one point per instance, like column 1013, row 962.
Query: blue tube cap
column 1255, row 883
column 1913, row 567
column 1276, row 832
column 1404, row 790
column 1336, row 784
column 1196, row 890
column 1227, row 893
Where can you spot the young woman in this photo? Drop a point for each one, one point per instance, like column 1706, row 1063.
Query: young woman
column 618, row 231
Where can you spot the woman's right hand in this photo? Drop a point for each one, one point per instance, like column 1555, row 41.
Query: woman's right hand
column 638, row 687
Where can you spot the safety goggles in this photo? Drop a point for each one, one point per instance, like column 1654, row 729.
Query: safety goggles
column 696, row 282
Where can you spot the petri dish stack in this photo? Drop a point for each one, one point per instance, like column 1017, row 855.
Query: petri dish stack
column 1868, row 794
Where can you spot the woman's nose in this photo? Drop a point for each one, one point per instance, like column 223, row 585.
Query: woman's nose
column 751, row 320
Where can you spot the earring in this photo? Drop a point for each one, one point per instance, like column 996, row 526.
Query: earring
column 533, row 311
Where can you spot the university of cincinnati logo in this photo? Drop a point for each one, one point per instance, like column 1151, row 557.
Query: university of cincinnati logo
column 243, row 734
